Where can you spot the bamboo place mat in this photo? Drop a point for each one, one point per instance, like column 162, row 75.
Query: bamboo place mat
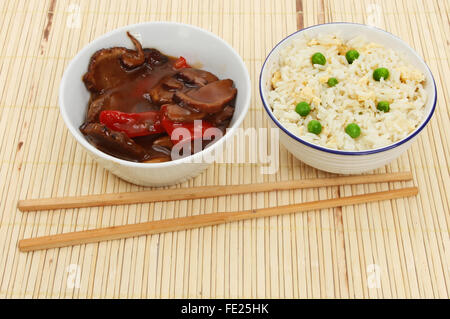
column 334, row 253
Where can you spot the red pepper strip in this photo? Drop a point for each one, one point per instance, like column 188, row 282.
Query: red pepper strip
column 133, row 124
column 181, row 63
column 196, row 129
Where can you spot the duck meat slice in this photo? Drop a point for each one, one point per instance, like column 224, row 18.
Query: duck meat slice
column 111, row 67
column 196, row 76
column 114, row 143
column 210, row 98
column 177, row 113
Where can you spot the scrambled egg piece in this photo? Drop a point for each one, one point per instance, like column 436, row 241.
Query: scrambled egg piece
column 410, row 74
column 323, row 79
column 307, row 94
column 276, row 77
column 313, row 42
column 342, row 49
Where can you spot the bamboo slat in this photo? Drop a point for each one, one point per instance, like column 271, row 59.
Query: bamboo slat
column 335, row 252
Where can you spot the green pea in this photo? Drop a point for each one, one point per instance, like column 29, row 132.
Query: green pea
column 318, row 58
column 353, row 130
column 314, row 127
column 332, row 82
column 303, row 108
column 380, row 73
column 351, row 56
column 383, row 106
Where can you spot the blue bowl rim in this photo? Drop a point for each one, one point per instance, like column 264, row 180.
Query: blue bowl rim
column 334, row 151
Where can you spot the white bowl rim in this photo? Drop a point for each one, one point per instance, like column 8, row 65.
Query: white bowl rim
column 194, row 158
column 335, row 151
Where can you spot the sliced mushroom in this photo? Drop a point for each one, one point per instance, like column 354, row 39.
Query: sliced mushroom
column 196, row 76
column 164, row 91
column 171, row 83
column 164, row 141
column 221, row 117
column 160, row 96
column 115, row 143
column 154, row 57
column 183, row 114
column 132, row 59
column 95, row 107
column 210, row 98
column 159, row 159
column 108, row 67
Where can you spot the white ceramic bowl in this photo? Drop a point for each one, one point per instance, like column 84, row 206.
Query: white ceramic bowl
column 332, row 160
column 175, row 39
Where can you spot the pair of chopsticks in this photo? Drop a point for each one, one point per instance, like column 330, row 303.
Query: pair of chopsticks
column 185, row 223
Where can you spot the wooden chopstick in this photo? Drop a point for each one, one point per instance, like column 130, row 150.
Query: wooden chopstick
column 161, row 195
column 184, row 223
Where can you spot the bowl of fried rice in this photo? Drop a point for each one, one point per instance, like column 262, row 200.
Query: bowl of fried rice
column 347, row 98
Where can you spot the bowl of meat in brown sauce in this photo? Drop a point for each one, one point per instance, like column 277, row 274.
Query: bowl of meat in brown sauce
column 151, row 101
